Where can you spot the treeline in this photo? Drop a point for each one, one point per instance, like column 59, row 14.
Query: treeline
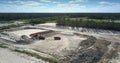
column 9, row 26
column 16, row 16
column 36, row 21
column 89, row 23
column 107, row 16
column 41, row 20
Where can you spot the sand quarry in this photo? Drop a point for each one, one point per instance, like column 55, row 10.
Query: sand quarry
column 69, row 49
column 69, row 41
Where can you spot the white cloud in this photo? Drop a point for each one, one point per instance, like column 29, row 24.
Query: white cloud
column 68, row 5
column 33, row 3
column 16, row 2
column 45, row 0
column 105, row 2
column 26, row 3
column 56, row 2
column 24, row 6
column 108, row 3
column 73, row 1
column 57, row 6
column 106, row 9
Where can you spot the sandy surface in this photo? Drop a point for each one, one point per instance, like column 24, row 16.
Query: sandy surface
column 112, row 36
column 7, row 56
column 48, row 24
column 27, row 32
column 52, row 46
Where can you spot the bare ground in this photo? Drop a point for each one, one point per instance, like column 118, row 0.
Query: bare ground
column 89, row 46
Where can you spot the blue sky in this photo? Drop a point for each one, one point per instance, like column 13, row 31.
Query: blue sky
column 61, row 6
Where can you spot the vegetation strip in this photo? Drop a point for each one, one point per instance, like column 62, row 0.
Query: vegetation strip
column 15, row 16
column 9, row 26
column 89, row 23
column 3, row 46
column 37, row 56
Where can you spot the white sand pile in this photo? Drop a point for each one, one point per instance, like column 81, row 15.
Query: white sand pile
column 27, row 32
column 48, row 24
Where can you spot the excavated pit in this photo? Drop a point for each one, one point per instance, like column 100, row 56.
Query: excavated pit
column 93, row 50
column 75, row 48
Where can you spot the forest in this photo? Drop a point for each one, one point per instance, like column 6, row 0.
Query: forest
column 88, row 20
column 16, row 16
column 89, row 23
column 9, row 26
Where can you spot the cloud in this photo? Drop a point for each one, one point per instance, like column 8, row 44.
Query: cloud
column 105, row 2
column 105, row 8
column 58, row 6
column 112, row 7
column 25, row 3
column 15, row 2
column 68, row 5
column 56, row 2
column 73, row 1
column 45, row 0
column 32, row 3
column 22, row 6
column 108, row 3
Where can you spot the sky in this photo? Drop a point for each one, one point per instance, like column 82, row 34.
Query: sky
column 60, row 6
